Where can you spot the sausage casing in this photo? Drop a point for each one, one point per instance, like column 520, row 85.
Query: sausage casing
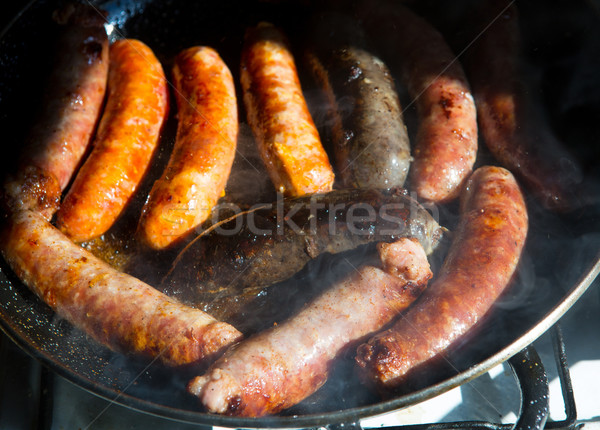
column 70, row 111
column 285, row 364
column 127, row 136
column 510, row 124
column 481, row 261
column 114, row 308
column 446, row 143
column 369, row 136
column 286, row 135
column 226, row 267
column 205, row 146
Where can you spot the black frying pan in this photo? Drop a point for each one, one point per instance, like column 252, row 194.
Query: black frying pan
column 560, row 261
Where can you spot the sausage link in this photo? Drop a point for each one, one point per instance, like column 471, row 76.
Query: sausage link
column 511, row 127
column 70, row 111
column 368, row 132
column 283, row 127
column 205, row 146
column 114, row 308
column 446, row 141
column 127, row 136
column 283, row 365
column 479, row 266
column 272, row 244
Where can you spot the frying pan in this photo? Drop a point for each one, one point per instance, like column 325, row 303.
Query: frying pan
column 561, row 258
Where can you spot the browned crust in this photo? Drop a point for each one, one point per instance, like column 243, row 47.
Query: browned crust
column 480, row 265
column 277, row 112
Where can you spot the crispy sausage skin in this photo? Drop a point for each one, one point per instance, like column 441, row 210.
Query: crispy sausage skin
column 446, row 141
column 70, row 111
column 510, row 125
column 283, row 365
column 114, row 308
column 369, row 136
column 127, row 136
column 205, row 146
column 480, row 264
column 277, row 113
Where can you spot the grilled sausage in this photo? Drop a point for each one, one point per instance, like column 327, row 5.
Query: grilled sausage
column 285, row 364
column 286, row 136
column 127, row 136
column 369, row 137
column 226, row 267
column 70, row 111
column 114, row 308
column 203, row 153
column 511, row 127
column 446, row 141
column 480, row 264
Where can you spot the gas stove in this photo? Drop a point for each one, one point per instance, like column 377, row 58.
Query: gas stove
column 33, row 397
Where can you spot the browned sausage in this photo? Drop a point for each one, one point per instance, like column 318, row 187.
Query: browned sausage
column 446, row 142
column 70, row 111
column 512, row 129
column 283, row 127
column 114, row 308
column 369, row 137
column 479, row 266
column 204, row 149
column 127, row 137
column 283, row 365
column 226, row 269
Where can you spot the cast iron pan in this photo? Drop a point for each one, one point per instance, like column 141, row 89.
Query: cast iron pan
column 560, row 261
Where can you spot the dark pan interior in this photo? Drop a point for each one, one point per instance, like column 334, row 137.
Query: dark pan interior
column 560, row 260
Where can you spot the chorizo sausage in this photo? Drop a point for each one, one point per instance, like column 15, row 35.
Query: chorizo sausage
column 205, row 146
column 114, row 308
column 286, row 135
column 480, row 264
column 70, row 110
column 127, row 136
column 285, row 364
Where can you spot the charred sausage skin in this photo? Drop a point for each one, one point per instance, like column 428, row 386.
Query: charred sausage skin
column 248, row 253
column 446, row 142
column 70, row 110
column 205, row 146
column 369, row 136
column 286, row 135
column 114, row 308
column 480, row 264
column 283, row 365
column 127, row 137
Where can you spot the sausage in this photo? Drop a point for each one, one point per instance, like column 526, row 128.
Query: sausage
column 285, row 133
column 369, row 137
column 226, row 267
column 512, row 129
column 205, row 146
column 480, row 264
column 446, row 142
column 114, row 308
column 127, row 136
column 70, row 109
column 285, row 364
